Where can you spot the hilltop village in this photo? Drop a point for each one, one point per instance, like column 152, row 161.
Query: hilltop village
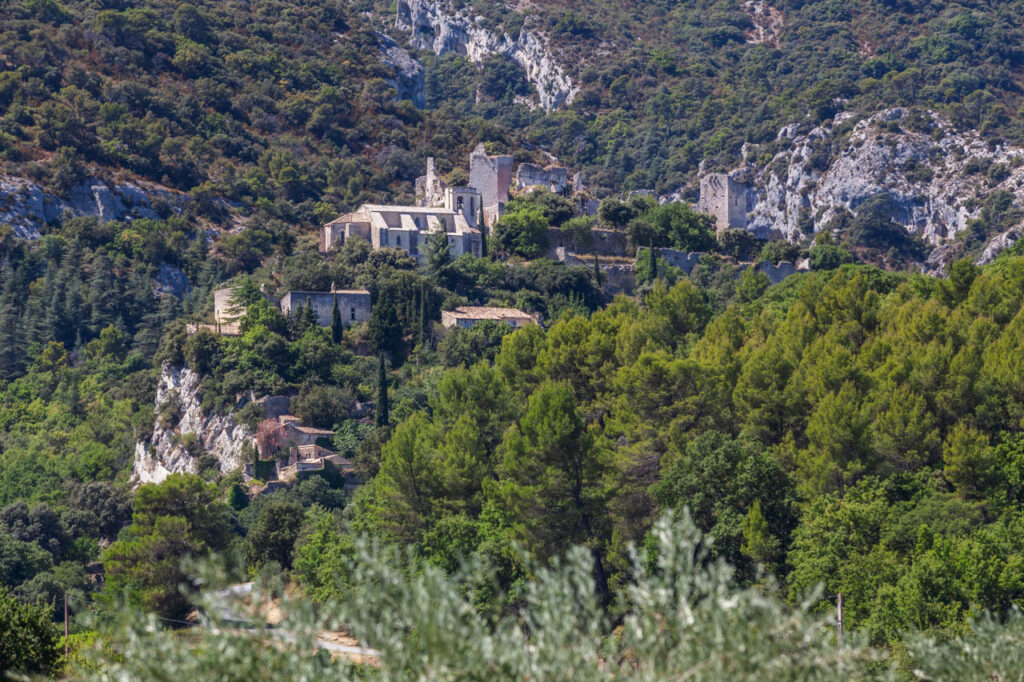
column 461, row 220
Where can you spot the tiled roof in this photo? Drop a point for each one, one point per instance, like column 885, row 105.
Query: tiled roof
column 488, row 313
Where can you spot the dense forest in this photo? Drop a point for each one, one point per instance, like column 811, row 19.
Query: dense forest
column 676, row 483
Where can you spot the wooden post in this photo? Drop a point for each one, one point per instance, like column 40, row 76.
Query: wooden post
column 839, row 618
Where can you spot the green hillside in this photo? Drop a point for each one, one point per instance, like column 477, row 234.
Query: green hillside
column 852, row 429
column 286, row 103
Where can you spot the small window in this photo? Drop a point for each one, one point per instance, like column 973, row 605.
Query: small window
column 352, row 314
column 459, row 203
column 398, row 240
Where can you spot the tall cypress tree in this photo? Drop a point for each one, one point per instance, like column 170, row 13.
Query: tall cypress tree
column 382, row 392
column 12, row 351
column 337, row 326
column 483, row 240
column 424, row 320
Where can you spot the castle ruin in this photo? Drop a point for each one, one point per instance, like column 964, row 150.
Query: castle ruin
column 491, row 176
column 430, row 188
column 725, row 199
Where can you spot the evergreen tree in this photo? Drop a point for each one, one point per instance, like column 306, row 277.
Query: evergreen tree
column 382, row 392
column 438, row 253
column 11, row 338
column 337, row 326
column 385, row 330
column 483, row 238
column 102, row 306
column 424, row 319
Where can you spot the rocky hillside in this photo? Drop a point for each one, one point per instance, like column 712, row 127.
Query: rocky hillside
column 183, row 429
column 435, row 25
column 928, row 177
column 281, row 114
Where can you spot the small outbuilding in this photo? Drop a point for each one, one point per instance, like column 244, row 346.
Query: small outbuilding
column 467, row 316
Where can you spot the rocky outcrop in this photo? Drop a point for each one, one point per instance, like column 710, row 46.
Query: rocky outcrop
column 183, row 432
column 997, row 243
column 26, row 206
column 171, row 280
column 768, row 22
column 936, row 176
column 435, row 25
column 408, row 80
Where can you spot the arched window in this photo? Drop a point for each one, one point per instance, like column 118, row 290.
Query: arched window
column 458, row 204
column 398, row 240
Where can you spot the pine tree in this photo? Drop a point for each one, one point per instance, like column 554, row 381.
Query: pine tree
column 11, row 346
column 438, row 253
column 385, row 330
column 483, row 239
column 424, row 320
column 337, row 326
column 382, row 392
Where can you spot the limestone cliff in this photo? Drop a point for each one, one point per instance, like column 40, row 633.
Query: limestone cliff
column 408, row 80
column 26, row 206
column 937, row 176
column 183, row 432
column 435, row 25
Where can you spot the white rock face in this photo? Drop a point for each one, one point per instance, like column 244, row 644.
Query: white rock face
column 926, row 173
column 164, row 454
column 434, row 25
column 26, row 206
column 408, row 80
column 997, row 243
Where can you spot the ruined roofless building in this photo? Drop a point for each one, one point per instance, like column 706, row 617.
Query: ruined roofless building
column 430, row 188
column 552, row 178
column 491, row 176
column 353, row 304
column 725, row 199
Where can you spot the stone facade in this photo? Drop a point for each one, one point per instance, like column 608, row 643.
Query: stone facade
column 680, row 259
column 354, row 304
column 430, row 188
column 491, row 176
column 224, row 310
column 603, row 243
column 725, row 199
column 408, row 227
column 552, row 178
column 777, row 271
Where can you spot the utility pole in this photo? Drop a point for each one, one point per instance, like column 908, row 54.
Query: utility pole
column 839, row 618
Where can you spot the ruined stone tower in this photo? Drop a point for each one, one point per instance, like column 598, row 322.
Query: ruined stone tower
column 491, row 176
column 725, row 199
column 430, row 187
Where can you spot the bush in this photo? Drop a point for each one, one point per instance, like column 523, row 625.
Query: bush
column 322, row 406
column 522, row 232
column 28, row 638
